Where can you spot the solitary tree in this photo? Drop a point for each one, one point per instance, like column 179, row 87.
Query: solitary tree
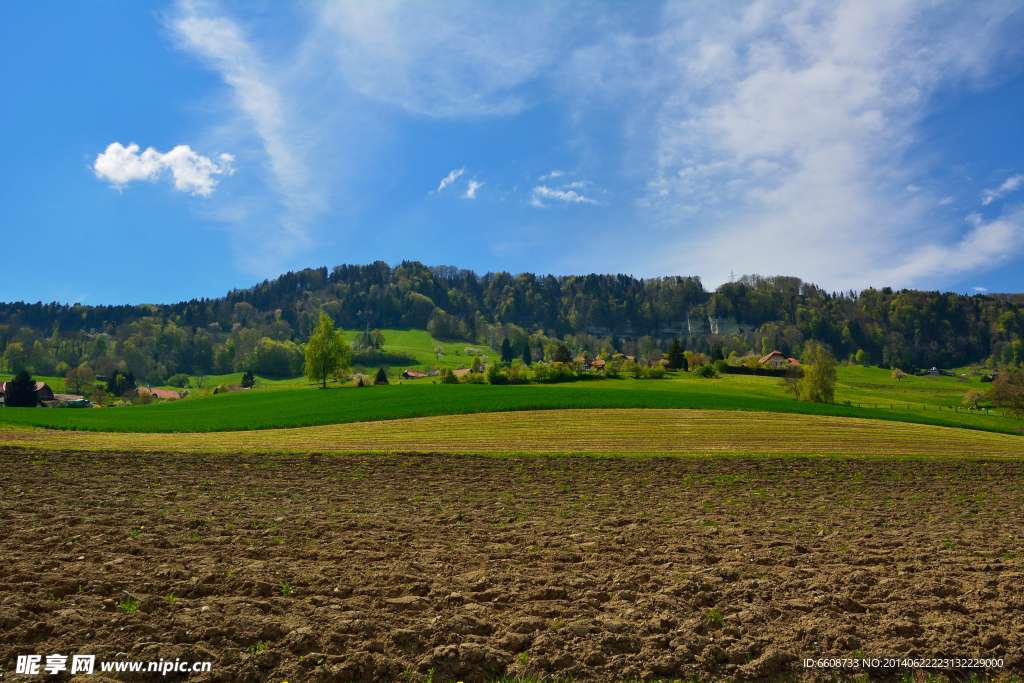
column 973, row 396
column 818, row 384
column 326, row 352
column 1008, row 392
column 21, row 391
column 381, row 377
column 898, row 375
column 676, row 359
column 248, row 379
column 377, row 339
column 80, row 379
column 527, row 356
column 506, row 351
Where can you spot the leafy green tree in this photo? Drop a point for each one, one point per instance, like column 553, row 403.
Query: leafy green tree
column 527, row 356
column 248, row 379
column 1008, row 392
column 475, row 365
column 80, row 379
column 381, row 377
column 818, row 384
column 562, row 355
column 861, row 357
column 446, row 376
column 377, row 339
column 21, row 391
column 506, row 351
column 326, row 352
column 973, row 396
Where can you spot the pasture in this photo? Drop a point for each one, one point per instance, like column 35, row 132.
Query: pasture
column 303, row 407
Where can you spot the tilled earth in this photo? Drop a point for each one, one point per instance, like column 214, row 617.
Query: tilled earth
column 440, row 567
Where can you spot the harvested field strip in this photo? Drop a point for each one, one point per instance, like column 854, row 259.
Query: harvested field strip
column 681, row 432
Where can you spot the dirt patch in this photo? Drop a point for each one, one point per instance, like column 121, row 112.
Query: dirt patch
column 361, row 568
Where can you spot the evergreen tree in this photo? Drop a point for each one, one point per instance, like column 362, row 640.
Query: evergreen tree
column 129, row 382
column 506, row 351
column 716, row 353
column 248, row 379
column 527, row 357
column 675, row 355
column 381, row 377
column 21, row 391
column 684, row 364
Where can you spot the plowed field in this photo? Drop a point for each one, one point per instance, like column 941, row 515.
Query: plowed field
column 443, row 567
column 685, row 432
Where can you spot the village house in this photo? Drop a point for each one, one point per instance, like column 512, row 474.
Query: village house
column 776, row 360
column 413, row 374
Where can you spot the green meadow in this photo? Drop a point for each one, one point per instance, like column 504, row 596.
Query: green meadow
column 861, row 392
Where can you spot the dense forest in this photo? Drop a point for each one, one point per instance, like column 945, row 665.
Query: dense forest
column 262, row 328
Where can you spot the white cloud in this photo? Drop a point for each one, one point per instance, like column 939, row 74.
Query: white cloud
column 450, row 178
column 979, row 289
column 945, row 200
column 190, row 172
column 542, row 192
column 1009, row 185
column 553, row 174
column 913, row 188
column 471, row 190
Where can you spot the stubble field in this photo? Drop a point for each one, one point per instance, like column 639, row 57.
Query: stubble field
column 442, row 567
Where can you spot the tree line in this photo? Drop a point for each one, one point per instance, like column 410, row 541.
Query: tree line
column 263, row 328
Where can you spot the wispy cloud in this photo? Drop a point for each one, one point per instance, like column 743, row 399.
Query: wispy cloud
column 1009, row 185
column 445, row 59
column 945, row 201
column 786, row 123
column 190, row 172
column 472, row 188
column 980, row 289
column 543, row 192
column 450, row 178
column 552, row 174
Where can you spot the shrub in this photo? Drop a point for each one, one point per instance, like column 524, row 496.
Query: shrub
column 721, row 366
column 446, row 376
column 473, row 378
column 179, row 380
column 495, row 375
column 706, row 371
column 656, row 372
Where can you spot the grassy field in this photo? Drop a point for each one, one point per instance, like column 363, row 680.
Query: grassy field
column 597, row 432
column 919, row 400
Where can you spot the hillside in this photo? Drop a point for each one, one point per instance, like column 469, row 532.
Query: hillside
column 263, row 327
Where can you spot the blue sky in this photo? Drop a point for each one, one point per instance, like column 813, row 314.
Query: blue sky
column 164, row 151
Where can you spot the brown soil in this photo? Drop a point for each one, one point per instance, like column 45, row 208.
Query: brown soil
column 597, row 568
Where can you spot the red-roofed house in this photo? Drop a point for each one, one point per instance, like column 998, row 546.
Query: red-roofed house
column 413, row 374
column 775, row 359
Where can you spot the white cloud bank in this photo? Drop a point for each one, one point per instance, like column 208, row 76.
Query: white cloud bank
column 1011, row 184
column 190, row 172
column 782, row 130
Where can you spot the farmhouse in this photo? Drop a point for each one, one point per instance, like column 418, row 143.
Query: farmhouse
column 164, row 393
column 413, row 374
column 589, row 364
column 776, row 359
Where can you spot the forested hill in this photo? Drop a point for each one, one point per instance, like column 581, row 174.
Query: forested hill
column 908, row 327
